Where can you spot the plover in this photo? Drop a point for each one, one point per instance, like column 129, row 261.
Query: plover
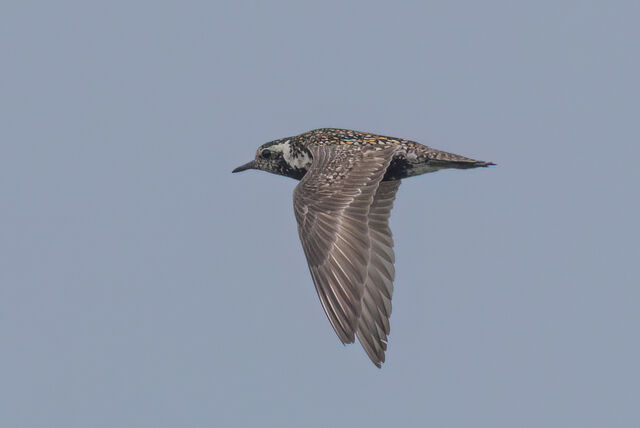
column 348, row 182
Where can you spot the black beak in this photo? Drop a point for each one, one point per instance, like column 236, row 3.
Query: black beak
column 246, row 166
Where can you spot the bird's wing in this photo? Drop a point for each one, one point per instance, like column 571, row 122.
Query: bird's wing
column 334, row 207
column 373, row 325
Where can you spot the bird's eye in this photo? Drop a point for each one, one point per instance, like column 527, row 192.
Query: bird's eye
column 265, row 154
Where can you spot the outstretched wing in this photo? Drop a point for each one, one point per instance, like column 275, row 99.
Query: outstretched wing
column 373, row 325
column 346, row 239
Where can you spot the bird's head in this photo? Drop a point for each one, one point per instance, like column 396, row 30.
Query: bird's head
column 285, row 157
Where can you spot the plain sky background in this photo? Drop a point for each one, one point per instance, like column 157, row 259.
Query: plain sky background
column 144, row 285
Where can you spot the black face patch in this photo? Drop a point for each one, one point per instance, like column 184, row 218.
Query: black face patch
column 273, row 161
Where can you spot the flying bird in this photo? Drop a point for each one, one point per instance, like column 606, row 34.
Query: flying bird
column 348, row 182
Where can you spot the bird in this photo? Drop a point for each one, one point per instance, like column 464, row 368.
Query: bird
column 347, row 186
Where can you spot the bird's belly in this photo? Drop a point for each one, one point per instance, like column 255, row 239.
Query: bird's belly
column 401, row 167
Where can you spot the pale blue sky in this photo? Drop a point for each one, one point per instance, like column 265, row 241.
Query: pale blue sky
column 144, row 285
